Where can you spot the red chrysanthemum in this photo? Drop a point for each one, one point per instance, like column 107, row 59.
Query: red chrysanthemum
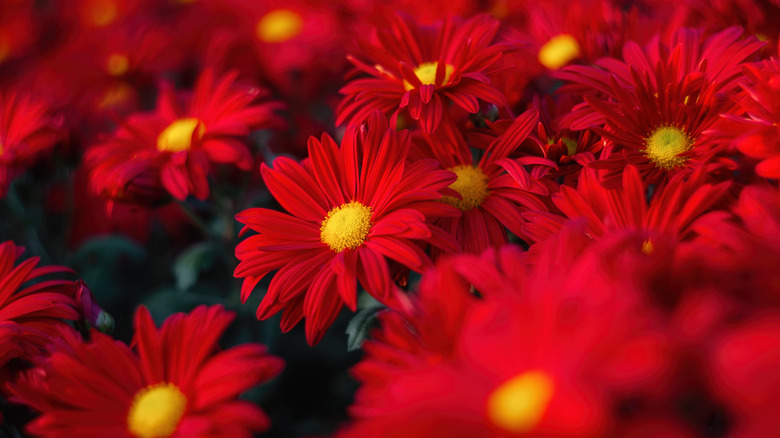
column 351, row 209
column 758, row 134
column 26, row 132
column 174, row 383
column 174, row 147
column 539, row 354
column 31, row 316
column 422, row 69
column 670, row 214
column 493, row 192
column 655, row 104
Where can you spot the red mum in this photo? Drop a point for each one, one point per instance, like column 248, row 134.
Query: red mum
column 32, row 316
column 26, row 132
column 655, row 105
column 352, row 208
column 422, row 68
column 174, row 383
column 175, row 146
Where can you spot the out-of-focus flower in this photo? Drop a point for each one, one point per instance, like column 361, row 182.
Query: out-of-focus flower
column 174, row 383
column 421, row 69
column 27, row 131
column 31, row 316
column 539, row 354
column 174, row 147
column 351, row 209
column 655, row 104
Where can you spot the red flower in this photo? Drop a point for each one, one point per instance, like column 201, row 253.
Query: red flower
column 493, row 192
column 352, row 208
column 655, row 105
column 548, row 351
column 758, row 135
column 174, row 383
column 26, row 133
column 671, row 213
column 31, row 316
column 174, row 147
column 422, row 68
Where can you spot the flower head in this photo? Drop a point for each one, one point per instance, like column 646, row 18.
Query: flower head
column 173, row 383
column 354, row 210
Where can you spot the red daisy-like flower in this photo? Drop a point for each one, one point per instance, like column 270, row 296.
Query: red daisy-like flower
column 493, row 192
column 27, row 131
column 670, row 214
column 423, row 68
column 655, row 104
column 31, row 316
column 758, row 134
column 174, row 147
column 174, row 383
column 540, row 354
column 351, row 209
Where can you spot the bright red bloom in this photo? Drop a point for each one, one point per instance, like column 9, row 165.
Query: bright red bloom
column 758, row 135
column 421, row 69
column 671, row 212
column 174, row 147
column 548, row 351
column 352, row 208
column 31, row 316
column 174, row 383
column 494, row 191
column 655, row 104
column 27, row 131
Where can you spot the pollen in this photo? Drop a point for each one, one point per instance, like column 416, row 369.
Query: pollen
column 156, row 411
column 518, row 404
column 117, row 64
column 664, row 146
column 178, row 135
column 648, row 247
column 346, row 226
column 559, row 51
column 426, row 73
column 472, row 184
column 278, row 26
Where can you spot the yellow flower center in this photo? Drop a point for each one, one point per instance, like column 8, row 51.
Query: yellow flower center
column 101, row 13
column 179, row 134
column 518, row 404
column 472, row 184
column 426, row 73
column 648, row 247
column 346, row 226
column 156, row 411
column 559, row 51
column 279, row 26
column 664, row 146
column 117, row 64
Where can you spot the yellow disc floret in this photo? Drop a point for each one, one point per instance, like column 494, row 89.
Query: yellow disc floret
column 472, row 184
column 117, row 64
column 346, row 226
column 426, row 73
column 664, row 146
column 156, row 411
column 279, row 26
column 101, row 13
column 648, row 247
column 559, row 51
column 518, row 404
column 178, row 135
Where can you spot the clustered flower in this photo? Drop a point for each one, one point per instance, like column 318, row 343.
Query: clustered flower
column 567, row 211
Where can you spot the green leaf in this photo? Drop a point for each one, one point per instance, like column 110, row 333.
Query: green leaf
column 108, row 249
column 192, row 261
column 359, row 327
